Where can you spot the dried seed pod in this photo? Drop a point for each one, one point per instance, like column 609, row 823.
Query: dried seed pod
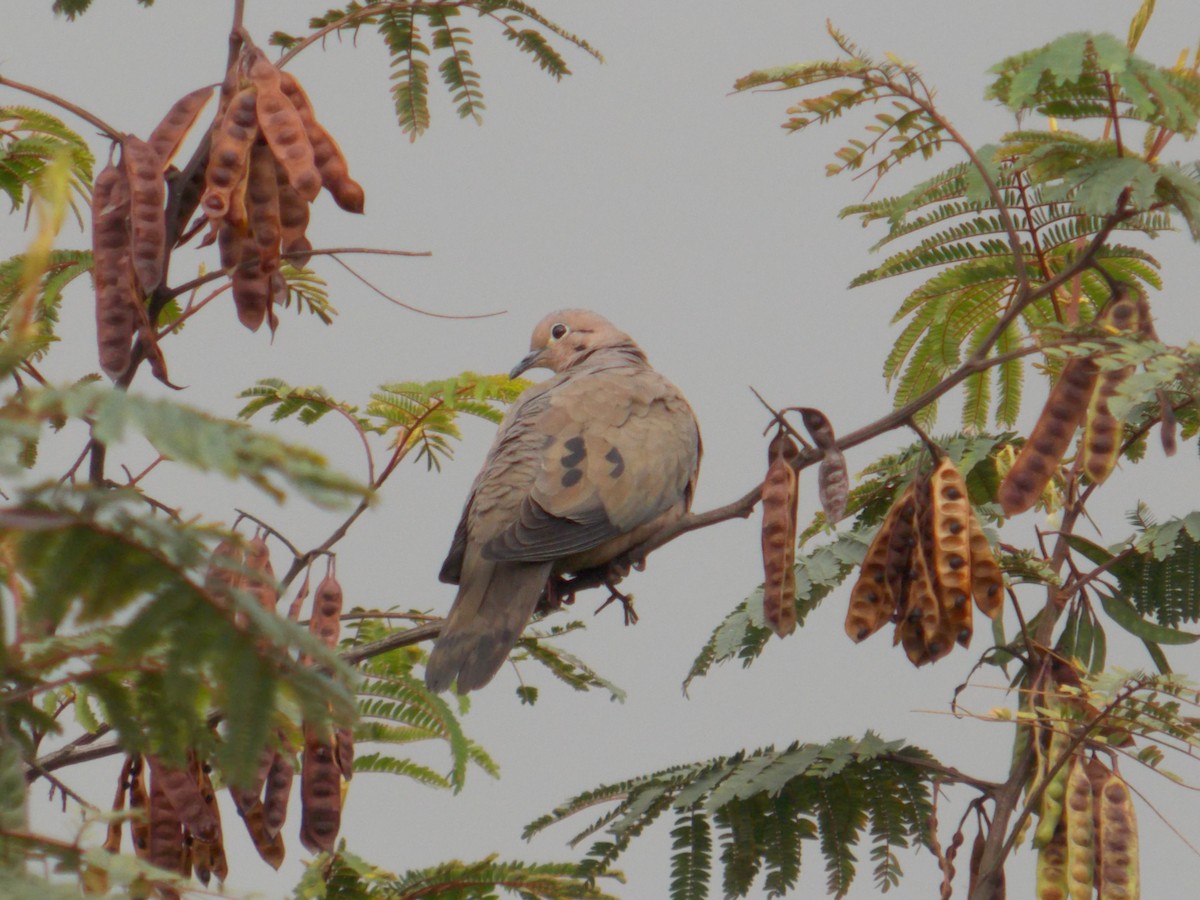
column 293, row 220
column 281, row 124
column 1118, row 841
column 279, row 790
column 297, row 603
column 262, row 574
column 1101, row 430
column 898, row 561
column 251, row 288
column 112, row 270
column 216, row 861
column 873, row 599
column 924, row 604
column 1051, row 873
column 139, row 802
column 343, row 751
column 911, row 638
column 171, row 131
column 1170, row 424
column 245, row 798
column 183, row 791
column 232, row 138
column 262, row 207
column 327, row 610
column 320, row 792
column 833, row 481
column 987, row 581
column 1051, row 435
column 224, row 572
column 166, row 829
column 1079, row 826
column 144, row 169
column 950, row 531
column 269, row 847
column 780, row 495
column 330, row 162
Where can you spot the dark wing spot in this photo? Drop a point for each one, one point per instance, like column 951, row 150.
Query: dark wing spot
column 572, row 477
column 618, row 462
column 576, row 452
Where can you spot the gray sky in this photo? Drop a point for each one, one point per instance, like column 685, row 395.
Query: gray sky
column 641, row 189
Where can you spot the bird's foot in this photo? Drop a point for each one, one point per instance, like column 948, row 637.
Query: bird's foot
column 558, row 593
column 631, row 616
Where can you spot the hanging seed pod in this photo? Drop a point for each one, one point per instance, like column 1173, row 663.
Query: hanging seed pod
column 279, row 791
column 245, row 798
column 780, row 495
column 281, row 124
column 873, row 600
column 270, row 848
column 112, row 270
column 217, row 862
column 833, row 480
column 320, row 792
column 924, row 605
column 1079, row 825
column 166, row 829
column 898, row 562
column 987, row 581
column 293, row 220
column 1051, row 873
column 251, row 288
column 262, row 207
column 224, row 572
column 1101, row 430
column 262, row 574
column 327, row 610
column 343, row 751
column 951, row 559
column 1051, row 435
column 1051, row 809
column 143, row 168
column 1118, row 841
column 182, row 789
column 1170, row 424
column 229, row 154
column 231, row 243
column 327, row 155
column 912, row 640
column 169, row 134
column 139, row 802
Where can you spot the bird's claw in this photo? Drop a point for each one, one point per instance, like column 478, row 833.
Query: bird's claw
column 631, row 616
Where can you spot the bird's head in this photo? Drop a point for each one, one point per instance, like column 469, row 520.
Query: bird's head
column 567, row 337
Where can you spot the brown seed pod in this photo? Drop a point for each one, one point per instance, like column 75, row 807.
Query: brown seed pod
column 1051, row 873
column 182, row 790
column 171, row 131
column 924, row 604
column 911, row 638
column 1051, row 435
column 832, row 478
column 1101, row 430
column 780, row 495
column 1170, row 424
column 293, row 220
column 987, row 581
column 251, row 288
column 224, row 572
column 898, row 562
column 245, row 798
column 232, row 138
column 218, row 864
column 143, row 168
column 283, row 128
column 116, row 295
column 262, row 207
column 139, row 802
column 1118, row 841
column 873, row 598
column 270, row 848
column 320, row 792
column 327, row 610
column 330, row 162
column 343, row 751
column 262, row 574
column 166, row 829
column 950, row 517
column 279, row 791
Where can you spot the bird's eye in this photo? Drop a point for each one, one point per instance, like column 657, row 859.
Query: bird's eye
column 558, row 331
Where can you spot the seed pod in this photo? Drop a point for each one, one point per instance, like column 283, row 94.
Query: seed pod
column 144, row 169
column 139, row 802
column 171, row 131
column 873, row 599
column 1170, row 424
column 780, row 495
column 1051, row 808
column 1080, row 831
column 911, row 638
column 293, row 220
column 987, row 581
column 1051, row 435
column 281, row 124
column 898, row 562
column 269, row 847
column 279, row 790
column 262, row 207
column 327, row 610
column 952, row 565
column 251, row 288
column 343, row 751
column 232, row 138
column 1101, row 430
column 924, row 605
column 245, row 798
column 224, row 572
column 183, row 792
column 166, row 829
column 327, row 155
column 1118, row 841
column 1051, row 877
column 112, row 270
column 320, row 792
column 262, row 574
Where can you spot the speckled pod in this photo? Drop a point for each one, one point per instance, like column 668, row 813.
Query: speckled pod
column 1051, row 873
column 1101, row 430
column 269, row 847
column 874, row 596
column 780, row 496
column 166, row 848
column 1079, row 825
column 283, row 128
column 320, row 792
column 278, row 792
column 229, row 154
column 293, row 220
column 987, row 581
column 325, row 622
column 262, row 207
column 147, row 191
column 183, row 792
column 1044, row 449
column 169, row 134
column 1118, row 841
column 951, row 521
column 328, row 156
column 112, row 271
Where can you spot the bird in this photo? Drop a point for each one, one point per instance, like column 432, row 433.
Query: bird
column 584, row 467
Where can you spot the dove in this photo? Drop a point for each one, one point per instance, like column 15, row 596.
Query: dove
column 585, row 466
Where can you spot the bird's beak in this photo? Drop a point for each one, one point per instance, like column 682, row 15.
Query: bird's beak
column 529, row 362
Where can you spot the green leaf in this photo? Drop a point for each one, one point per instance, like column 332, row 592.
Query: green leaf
column 1124, row 614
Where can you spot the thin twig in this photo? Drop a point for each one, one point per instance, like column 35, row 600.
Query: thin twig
column 92, row 119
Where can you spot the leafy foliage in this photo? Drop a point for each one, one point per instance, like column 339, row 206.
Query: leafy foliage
column 61, row 268
column 29, row 139
column 402, row 27
column 761, row 804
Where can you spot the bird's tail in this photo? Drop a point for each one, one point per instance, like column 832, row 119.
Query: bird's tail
column 493, row 606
